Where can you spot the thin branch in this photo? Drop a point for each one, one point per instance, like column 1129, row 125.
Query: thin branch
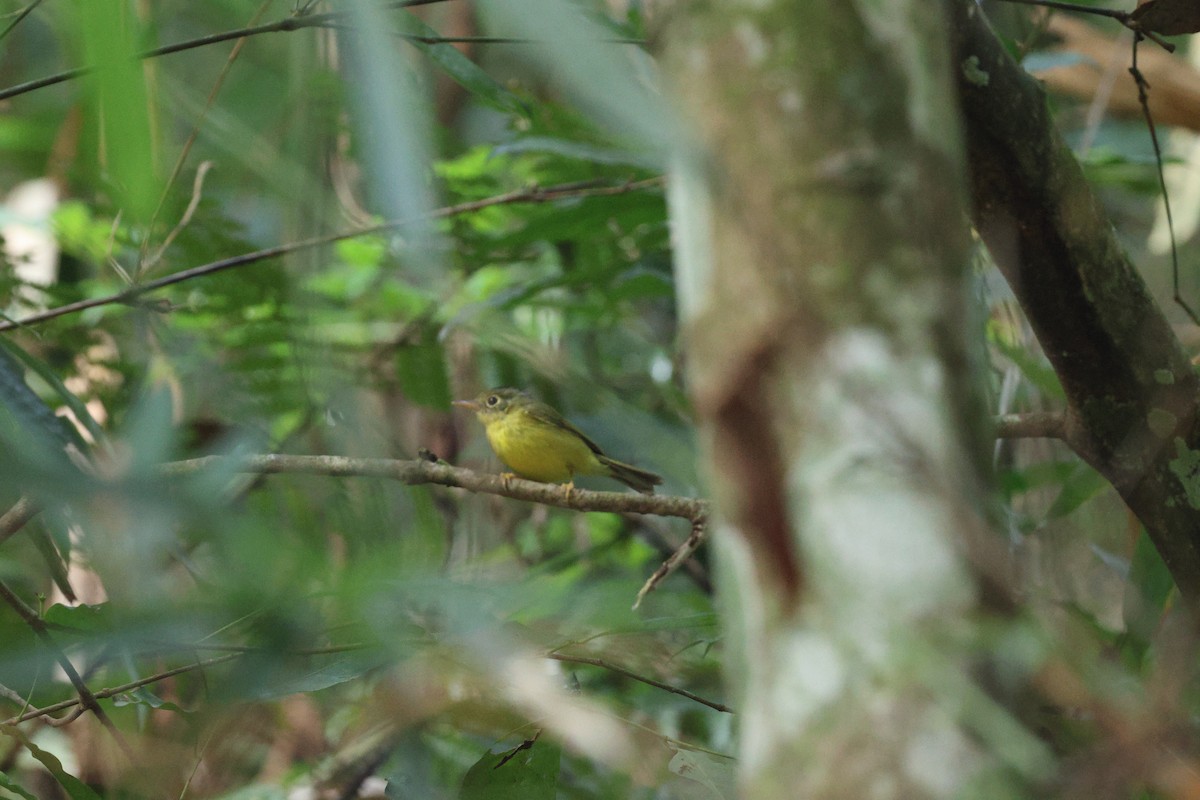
column 1143, row 98
column 87, row 700
column 529, row 195
column 666, row 687
column 1123, row 17
column 21, row 15
column 15, row 518
column 680, row 556
column 1033, row 425
column 104, row 694
column 425, row 472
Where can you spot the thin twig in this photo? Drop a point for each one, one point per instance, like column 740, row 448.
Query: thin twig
column 1123, row 17
column 530, row 195
column 681, row 555
column 104, row 694
column 22, row 14
column 1143, row 98
column 285, row 25
column 599, row 662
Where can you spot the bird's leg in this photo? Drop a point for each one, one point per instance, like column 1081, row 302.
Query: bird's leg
column 570, row 487
column 506, row 479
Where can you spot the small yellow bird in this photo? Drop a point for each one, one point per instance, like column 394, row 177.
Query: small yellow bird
column 535, row 442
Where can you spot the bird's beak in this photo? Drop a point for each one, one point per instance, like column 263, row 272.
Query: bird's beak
column 469, row 404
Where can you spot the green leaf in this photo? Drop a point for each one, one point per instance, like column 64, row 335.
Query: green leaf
column 462, row 70
column 529, row 771
column 118, row 86
column 12, row 786
column 312, row 674
column 421, row 370
column 75, row 788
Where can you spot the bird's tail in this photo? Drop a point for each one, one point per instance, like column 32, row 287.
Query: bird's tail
column 636, row 478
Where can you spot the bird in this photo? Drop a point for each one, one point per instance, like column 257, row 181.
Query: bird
column 536, row 442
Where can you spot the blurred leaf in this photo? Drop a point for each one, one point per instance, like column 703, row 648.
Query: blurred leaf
column 392, row 122
column 421, row 371
column 527, row 772
column 119, row 90
column 1035, row 368
column 75, row 788
column 78, row 407
column 12, row 786
column 312, row 673
column 462, row 70
column 572, row 149
column 715, row 774
column 1049, row 59
column 1148, row 589
column 1081, row 485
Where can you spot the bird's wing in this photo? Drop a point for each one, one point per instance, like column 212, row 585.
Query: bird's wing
column 545, row 413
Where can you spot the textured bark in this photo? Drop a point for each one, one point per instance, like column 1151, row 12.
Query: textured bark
column 1131, row 392
column 822, row 283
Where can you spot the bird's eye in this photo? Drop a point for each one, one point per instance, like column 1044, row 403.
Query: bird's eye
column 493, row 400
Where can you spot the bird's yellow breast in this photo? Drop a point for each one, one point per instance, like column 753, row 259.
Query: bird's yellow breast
column 540, row 451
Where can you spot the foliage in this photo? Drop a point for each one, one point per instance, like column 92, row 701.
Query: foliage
column 249, row 635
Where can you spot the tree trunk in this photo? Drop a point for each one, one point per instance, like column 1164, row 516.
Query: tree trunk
column 823, row 268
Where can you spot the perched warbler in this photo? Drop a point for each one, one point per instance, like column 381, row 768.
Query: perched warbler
column 535, row 442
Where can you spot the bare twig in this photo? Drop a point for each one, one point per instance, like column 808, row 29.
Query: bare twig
column 1033, row 425
column 535, row 194
column 422, row 472
column 15, row 518
column 104, row 694
column 1123, row 17
column 666, row 687
column 680, row 556
column 1142, row 86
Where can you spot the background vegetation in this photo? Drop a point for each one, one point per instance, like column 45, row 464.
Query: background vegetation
column 307, row 237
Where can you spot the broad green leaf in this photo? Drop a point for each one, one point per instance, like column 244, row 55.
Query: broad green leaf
column 527, row 772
